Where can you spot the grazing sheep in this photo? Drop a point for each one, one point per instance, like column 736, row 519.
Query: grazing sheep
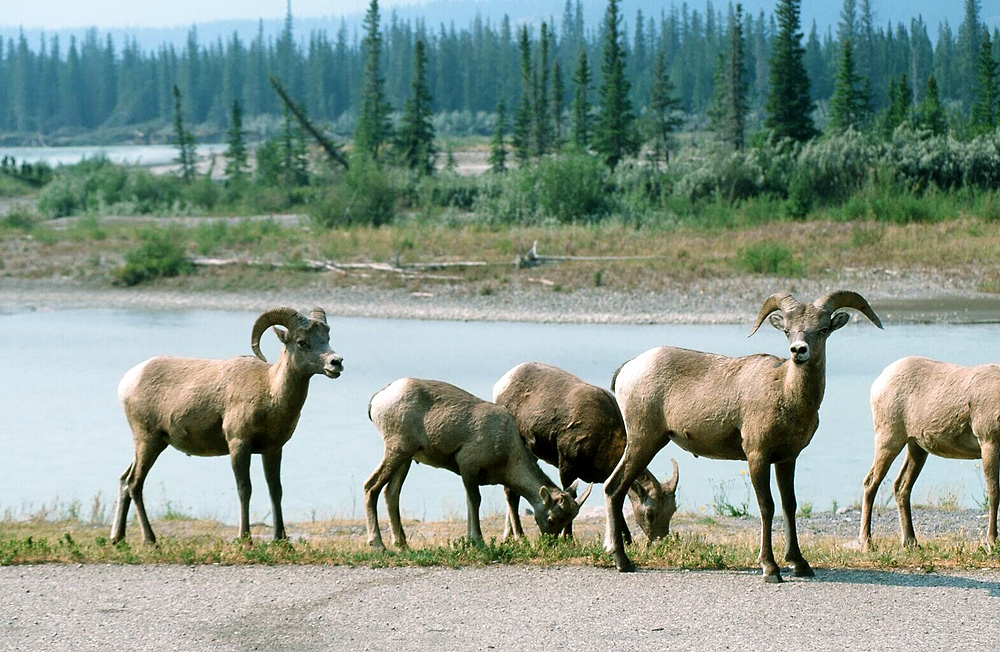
column 932, row 407
column 443, row 426
column 232, row 407
column 578, row 428
column 758, row 408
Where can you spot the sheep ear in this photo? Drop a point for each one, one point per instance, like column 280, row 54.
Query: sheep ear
column 282, row 334
column 777, row 320
column 839, row 320
column 546, row 496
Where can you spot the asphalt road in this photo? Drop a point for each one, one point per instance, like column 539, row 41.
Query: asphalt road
column 64, row 607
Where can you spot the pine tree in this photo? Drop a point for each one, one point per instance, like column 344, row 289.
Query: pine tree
column 663, row 117
column 984, row 105
column 614, row 133
column 734, row 117
column 523, row 123
column 236, row 147
column 294, row 162
column 930, row 114
column 581, row 104
column 900, row 106
column 415, row 141
column 968, row 45
column 540, row 96
column 850, row 106
column 498, row 146
column 558, row 90
column 374, row 128
column 184, row 141
column 789, row 106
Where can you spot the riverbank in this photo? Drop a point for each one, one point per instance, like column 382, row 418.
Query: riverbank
column 906, row 298
column 950, row 538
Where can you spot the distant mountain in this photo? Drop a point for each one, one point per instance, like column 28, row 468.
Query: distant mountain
column 460, row 12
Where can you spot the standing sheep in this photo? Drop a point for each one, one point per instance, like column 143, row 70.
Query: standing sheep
column 758, row 408
column 232, row 407
column 578, row 428
column 443, row 426
column 932, row 407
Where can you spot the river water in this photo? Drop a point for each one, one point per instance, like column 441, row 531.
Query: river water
column 145, row 155
column 65, row 438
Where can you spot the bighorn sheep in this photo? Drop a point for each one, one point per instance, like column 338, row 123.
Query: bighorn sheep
column 578, row 428
column 232, row 407
column 758, row 408
column 443, row 426
column 932, row 407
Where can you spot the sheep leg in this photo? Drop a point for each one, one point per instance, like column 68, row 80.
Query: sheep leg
column 785, row 474
column 239, row 458
column 473, row 500
column 272, row 474
column 373, row 486
column 760, row 478
column 633, row 462
column 121, row 509
column 512, row 524
column 145, row 454
column 991, row 470
column 903, row 487
column 392, row 489
column 880, row 466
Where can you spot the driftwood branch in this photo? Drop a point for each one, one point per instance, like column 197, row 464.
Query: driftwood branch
column 331, row 148
column 532, row 258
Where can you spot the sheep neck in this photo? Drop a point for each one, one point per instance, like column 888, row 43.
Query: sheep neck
column 805, row 384
column 288, row 385
column 525, row 478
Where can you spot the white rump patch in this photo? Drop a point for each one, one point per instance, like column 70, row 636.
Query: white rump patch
column 130, row 381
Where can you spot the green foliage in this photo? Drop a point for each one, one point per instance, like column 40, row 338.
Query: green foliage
column 615, row 134
column 769, row 258
column 573, row 189
column 20, row 218
column 789, row 104
column 183, row 139
column 161, row 255
column 582, row 79
column 415, row 137
column 498, row 145
column 374, row 128
column 362, row 195
column 664, row 115
column 722, row 505
column 236, row 147
column 851, row 104
column 987, row 89
column 18, row 179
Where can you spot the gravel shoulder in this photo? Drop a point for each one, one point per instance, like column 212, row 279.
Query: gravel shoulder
column 492, row 608
column 913, row 298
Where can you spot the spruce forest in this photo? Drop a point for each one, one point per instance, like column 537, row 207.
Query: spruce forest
column 53, row 88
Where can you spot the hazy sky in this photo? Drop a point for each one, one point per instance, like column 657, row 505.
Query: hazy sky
column 155, row 13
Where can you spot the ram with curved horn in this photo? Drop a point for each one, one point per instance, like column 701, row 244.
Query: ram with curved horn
column 232, row 407
column 578, row 428
column 758, row 408
column 440, row 425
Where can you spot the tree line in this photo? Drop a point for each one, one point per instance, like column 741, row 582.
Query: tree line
column 54, row 87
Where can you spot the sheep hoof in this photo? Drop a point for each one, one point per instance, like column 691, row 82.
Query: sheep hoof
column 625, row 565
column 773, row 578
column 803, row 571
column 377, row 545
column 909, row 542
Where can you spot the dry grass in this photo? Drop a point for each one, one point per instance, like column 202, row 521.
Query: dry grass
column 818, row 249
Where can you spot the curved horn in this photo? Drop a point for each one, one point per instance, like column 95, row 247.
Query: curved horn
column 774, row 303
column 670, row 486
column 287, row 317
column 318, row 314
column 586, row 494
column 847, row 299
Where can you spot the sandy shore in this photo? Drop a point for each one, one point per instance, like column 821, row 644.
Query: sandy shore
column 912, row 297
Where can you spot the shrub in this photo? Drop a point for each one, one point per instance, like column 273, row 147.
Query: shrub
column 361, row 195
column 573, row 188
column 161, row 255
column 768, row 258
column 21, row 218
column 62, row 198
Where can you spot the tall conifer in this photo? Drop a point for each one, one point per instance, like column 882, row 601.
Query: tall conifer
column 789, row 105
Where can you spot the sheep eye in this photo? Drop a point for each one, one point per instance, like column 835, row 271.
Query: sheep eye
column 303, row 344
column 824, row 331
